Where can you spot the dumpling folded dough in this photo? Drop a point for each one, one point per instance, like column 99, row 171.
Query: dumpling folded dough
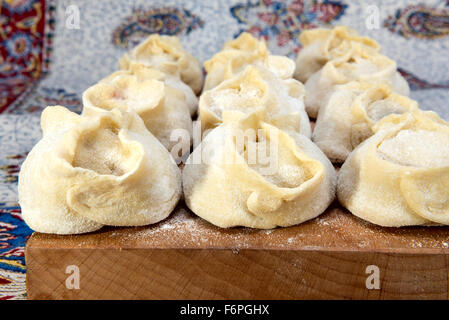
column 250, row 173
column 243, row 51
column 162, row 107
column 362, row 65
column 322, row 45
column 351, row 112
column 87, row 172
column 166, row 54
column 143, row 72
column 400, row 175
column 257, row 89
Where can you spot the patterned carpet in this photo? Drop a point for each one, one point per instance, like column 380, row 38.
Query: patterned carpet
column 51, row 51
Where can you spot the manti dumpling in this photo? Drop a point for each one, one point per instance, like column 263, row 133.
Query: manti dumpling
column 243, row 51
column 166, row 54
column 361, row 65
column 321, row 45
column 87, row 172
column 143, row 72
column 257, row 89
column 250, row 173
column 162, row 108
column 351, row 112
column 400, row 175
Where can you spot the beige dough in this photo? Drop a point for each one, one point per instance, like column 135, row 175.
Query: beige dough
column 351, row 112
column 250, row 173
column 241, row 52
column 361, row 65
column 400, row 175
column 162, row 107
column 257, row 89
column 322, row 45
column 87, row 172
column 166, row 54
column 143, row 73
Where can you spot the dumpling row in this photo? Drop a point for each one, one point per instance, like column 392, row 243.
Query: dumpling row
column 257, row 166
column 112, row 164
column 396, row 157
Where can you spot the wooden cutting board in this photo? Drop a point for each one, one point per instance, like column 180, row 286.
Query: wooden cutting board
column 184, row 257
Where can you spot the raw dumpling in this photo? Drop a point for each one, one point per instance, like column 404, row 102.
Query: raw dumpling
column 322, row 45
column 91, row 171
column 257, row 89
column 166, row 53
column 400, row 175
column 162, row 108
column 361, row 65
column 241, row 52
column 143, row 72
column 250, row 173
column 351, row 112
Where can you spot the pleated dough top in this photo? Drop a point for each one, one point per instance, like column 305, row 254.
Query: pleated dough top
column 250, row 173
column 91, row 171
column 400, row 176
column 351, row 112
column 241, row 52
column 166, row 54
column 257, row 89
column 360, row 65
column 143, row 73
column 163, row 108
column 322, row 45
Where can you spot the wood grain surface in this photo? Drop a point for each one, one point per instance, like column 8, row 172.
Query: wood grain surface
column 184, row 257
